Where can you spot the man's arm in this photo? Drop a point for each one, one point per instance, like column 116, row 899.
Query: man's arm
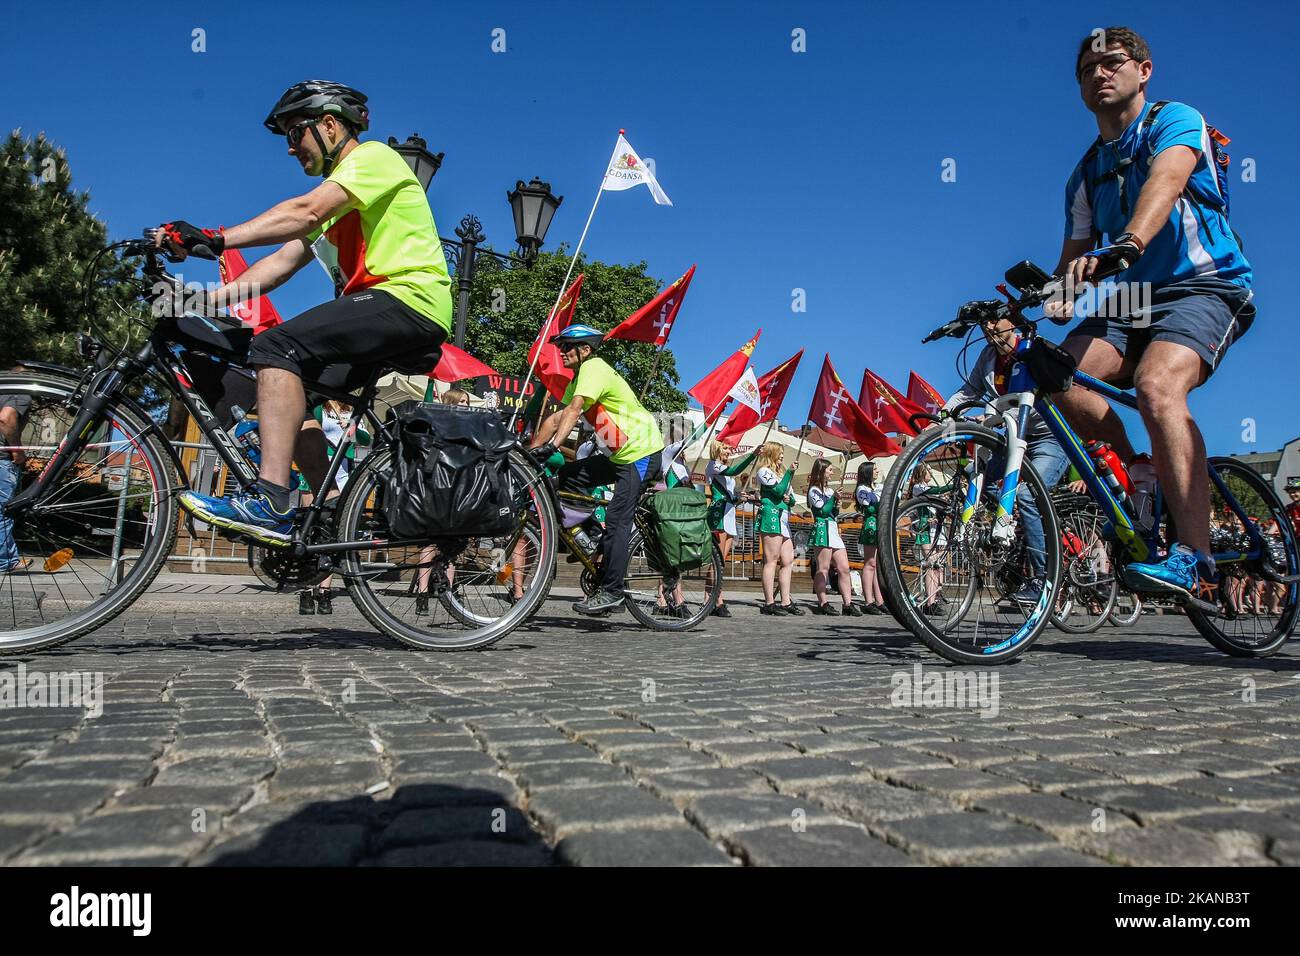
column 292, row 219
column 9, row 433
column 265, row 275
column 559, row 424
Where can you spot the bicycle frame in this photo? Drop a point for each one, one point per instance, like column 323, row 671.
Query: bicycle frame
column 1023, row 394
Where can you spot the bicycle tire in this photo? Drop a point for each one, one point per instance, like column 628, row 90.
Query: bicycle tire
column 963, row 605
column 944, row 643
column 159, row 466
column 353, row 524
column 642, row 611
column 1238, row 643
column 1072, row 590
column 1121, row 618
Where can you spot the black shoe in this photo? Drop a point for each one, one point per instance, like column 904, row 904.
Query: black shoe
column 775, row 609
column 421, row 604
column 324, row 601
column 794, row 609
column 602, row 602
column 681, row 611
column 720, row 611
column 305, row 603
column 872, row 609
column 934, row 609
column 830, row 610
column 852, row 610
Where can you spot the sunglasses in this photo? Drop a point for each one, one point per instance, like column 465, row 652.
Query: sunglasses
column 297, row 131
column 1109, row 66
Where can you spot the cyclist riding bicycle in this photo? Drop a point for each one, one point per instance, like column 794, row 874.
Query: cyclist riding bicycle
column 1149, row 184
column 988, row 378
column 370, row 225
column 627, row 429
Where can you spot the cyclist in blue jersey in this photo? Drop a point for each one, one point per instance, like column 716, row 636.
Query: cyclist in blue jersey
column 1149, row 186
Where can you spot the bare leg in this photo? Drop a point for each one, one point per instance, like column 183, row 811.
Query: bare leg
column 822, row 573
column 841, row 559
column 870, row 586
column 787, row 568
column 1090, row 414
column 724, row 547
column 771, row 557
column 1167, row 373
column 281, row 402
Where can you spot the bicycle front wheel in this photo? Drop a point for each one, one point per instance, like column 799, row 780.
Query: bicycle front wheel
column 994, row 628
column 97, row 537
column 447, row 595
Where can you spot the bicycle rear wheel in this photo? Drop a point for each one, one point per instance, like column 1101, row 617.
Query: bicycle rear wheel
column 467, row 584
column 1263, row 631
column 667, row 600
column 1127, row 609
column 1089, row 585
column 99, row 535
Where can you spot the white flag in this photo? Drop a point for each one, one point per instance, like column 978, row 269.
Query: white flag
column 746, row 391
column 627, row 170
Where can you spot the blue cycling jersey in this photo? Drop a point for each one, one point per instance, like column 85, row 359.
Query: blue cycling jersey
column 1196, row 241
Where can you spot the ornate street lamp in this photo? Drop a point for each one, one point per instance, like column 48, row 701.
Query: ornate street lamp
column 533, row 206
column 416, row 153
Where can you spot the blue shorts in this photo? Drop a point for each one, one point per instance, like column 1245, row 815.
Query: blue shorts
column 1205, row 313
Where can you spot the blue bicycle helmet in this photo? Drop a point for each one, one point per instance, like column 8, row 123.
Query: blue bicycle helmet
column 579, row 335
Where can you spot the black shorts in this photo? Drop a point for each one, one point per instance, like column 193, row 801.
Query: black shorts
column 1205, row 314
column 349, row 337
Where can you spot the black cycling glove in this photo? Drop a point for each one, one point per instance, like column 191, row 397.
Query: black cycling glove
column 543, row 452
column 1117, row 256
column 182, row 239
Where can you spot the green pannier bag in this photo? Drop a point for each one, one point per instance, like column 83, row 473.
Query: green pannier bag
column 682, row 526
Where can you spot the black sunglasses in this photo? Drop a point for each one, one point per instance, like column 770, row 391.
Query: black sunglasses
column 297, row 131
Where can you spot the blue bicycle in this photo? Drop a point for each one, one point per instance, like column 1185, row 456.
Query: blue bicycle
column 971, row 483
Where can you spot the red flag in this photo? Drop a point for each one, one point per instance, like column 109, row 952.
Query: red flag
column 654, row 320
column 258, row 313
column 834, row 409
column 712, row 390
column 457, row 364
column 886, row 408
column 771, row 390
column 550, row 364
column 924, row 394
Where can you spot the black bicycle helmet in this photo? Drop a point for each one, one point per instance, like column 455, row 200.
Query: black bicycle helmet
column 318, row 97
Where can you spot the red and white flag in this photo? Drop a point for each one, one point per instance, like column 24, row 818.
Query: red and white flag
column 714, row 390
column 654, row 321
column 258, row 313
column 550, row 363
column 771, row 392
column 885, row 406
column 834, row 410
column 924, row 394
column 626, row 169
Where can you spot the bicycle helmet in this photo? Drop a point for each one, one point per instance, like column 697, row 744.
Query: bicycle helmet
column 318, row 97
column 579, row 335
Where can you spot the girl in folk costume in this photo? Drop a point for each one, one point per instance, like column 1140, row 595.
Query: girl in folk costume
column 927, row 536
column 822, row 502
column 774, row 526
column 721, row 480
column 868, row 500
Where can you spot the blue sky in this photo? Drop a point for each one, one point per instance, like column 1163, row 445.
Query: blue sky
column 818, row 170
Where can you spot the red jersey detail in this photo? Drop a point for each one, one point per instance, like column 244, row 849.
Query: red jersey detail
column 346, row 236
column 609, row 433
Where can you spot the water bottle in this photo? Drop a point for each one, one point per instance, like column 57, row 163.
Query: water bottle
column 1143, row 475
column 1111, row 470
column 245, row 433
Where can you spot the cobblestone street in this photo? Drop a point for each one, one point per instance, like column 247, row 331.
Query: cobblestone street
column 236, row 732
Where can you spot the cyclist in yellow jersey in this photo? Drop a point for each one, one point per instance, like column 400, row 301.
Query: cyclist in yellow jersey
column 635, row 443
column 370, row 225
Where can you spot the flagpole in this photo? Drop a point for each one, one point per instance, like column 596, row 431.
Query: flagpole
column 654, row 370
column 546, row 327
column 749, row 472
column 717, row 408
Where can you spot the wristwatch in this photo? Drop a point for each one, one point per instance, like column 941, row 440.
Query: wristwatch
column 1130, row 239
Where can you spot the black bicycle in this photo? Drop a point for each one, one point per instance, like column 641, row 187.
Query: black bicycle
column 96, row 515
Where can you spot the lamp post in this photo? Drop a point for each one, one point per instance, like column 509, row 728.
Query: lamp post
column 533, row 205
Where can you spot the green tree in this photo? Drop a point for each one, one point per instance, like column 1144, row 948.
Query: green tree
column 508, row 307
column 47, row 238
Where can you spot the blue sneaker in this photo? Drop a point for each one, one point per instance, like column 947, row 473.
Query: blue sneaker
column 1183, row 573
column 251, row 514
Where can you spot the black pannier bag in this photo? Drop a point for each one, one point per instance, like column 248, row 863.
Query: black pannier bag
column 450, row 475
column 1053, row 366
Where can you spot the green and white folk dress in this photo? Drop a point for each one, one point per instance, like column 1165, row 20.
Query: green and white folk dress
column 776, row 498
column 826, row 530
column 722, row 483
